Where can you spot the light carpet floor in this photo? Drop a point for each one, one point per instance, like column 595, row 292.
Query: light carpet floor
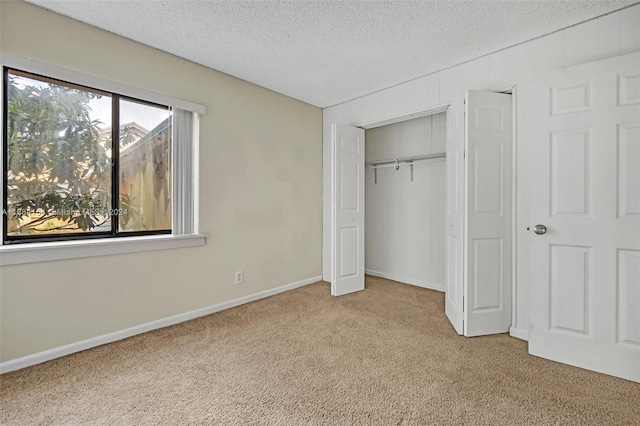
column 384, row 356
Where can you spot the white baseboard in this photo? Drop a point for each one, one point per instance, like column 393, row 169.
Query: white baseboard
column 40, row 357
column 519, row 333
column 405, row 280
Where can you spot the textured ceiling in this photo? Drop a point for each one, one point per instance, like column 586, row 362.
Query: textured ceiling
column 328, row 52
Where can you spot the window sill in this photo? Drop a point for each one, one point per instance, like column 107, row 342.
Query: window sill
column 44, row 252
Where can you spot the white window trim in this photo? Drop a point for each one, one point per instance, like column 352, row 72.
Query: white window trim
column 185, row 181
column 43, row 252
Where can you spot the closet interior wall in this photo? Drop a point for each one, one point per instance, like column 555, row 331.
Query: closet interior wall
column 404, row 219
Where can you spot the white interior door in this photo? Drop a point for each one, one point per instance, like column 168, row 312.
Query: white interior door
column 454, row 279
column 489, row 134
column 479, row 213
column 584, row 128
column 347, row 242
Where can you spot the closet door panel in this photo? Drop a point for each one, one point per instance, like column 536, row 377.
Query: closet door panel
column 488, row 213
column 454, row 204
column 438, row 222
column 347, row 221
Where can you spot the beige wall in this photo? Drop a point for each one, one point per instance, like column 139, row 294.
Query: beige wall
column 260, row 195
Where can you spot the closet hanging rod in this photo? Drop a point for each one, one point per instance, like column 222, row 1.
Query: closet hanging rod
column 405, row 161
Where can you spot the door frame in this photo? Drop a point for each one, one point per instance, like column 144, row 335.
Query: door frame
column 365, row 126
column 518, row 175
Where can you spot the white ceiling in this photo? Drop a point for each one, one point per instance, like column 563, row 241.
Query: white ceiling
column 328, row 52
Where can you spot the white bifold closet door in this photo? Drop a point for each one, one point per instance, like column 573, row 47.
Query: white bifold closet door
column 347, row 210
column 584, row 145
column 479, row 213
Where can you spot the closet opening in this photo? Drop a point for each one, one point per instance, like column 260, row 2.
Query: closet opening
column 442, row 224
column 405, row 189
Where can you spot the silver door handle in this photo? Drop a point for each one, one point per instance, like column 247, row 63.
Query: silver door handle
column 351, row 220
column 540, row 229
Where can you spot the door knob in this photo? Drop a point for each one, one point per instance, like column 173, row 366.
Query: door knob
column 540, row 229
column 351, row 219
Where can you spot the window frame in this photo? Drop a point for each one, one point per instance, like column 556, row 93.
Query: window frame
column 184, row 167
column 115, row 166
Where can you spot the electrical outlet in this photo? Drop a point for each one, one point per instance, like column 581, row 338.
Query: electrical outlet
column 239, row 277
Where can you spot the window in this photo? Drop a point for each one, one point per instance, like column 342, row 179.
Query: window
column 82, row 163
column 85, row 160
